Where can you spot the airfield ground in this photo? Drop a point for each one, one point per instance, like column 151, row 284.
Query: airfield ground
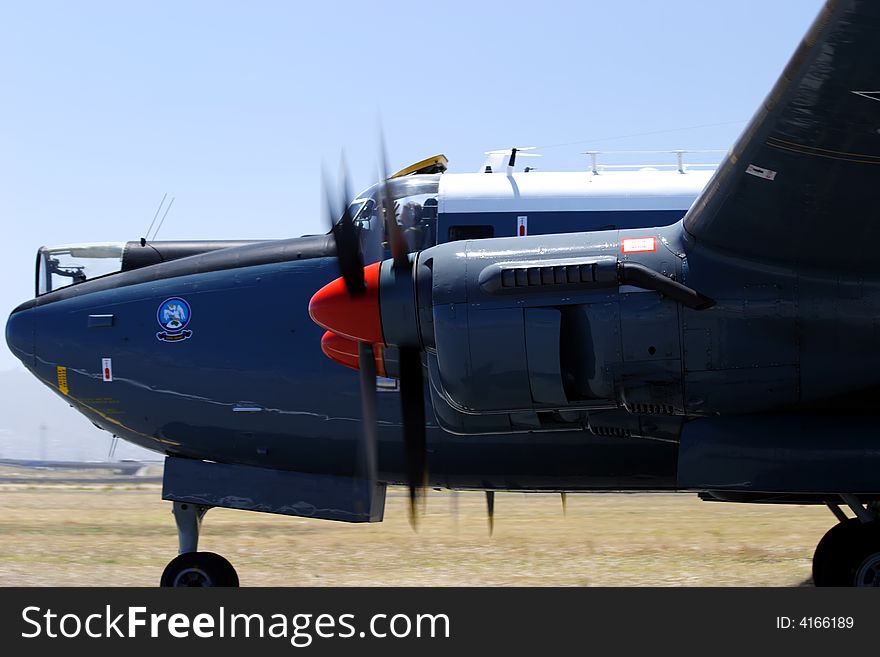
column 122, row 534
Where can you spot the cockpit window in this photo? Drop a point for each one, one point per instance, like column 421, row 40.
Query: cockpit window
column 415, row 209
column 60, row 266
column 356, row 206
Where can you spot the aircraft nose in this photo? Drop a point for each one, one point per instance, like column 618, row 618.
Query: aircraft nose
column 20, row 335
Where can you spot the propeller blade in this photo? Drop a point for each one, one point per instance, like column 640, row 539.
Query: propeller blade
column 367, row 369
column 396, row 240
column 490, row 508
column 453, row 503
column 345, row 235
column 412, row 402
column 564, row 504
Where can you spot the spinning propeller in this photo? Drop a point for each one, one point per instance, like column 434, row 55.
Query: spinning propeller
column 351, row 264
column 349, row 307
column 345, row 235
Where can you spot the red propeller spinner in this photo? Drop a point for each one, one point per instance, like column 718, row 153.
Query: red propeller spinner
column 353, row 317
column 345, row 352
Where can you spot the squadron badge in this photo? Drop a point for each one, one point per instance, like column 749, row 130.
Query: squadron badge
column 173, row 316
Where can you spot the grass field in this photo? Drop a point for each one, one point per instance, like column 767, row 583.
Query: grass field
column 123, row 535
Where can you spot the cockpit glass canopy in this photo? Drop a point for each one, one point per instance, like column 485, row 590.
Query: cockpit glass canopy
column 415, row 209
column 60, row 266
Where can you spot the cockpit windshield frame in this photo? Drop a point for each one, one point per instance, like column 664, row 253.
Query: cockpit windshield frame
column 400, row 188
column 407, row 193
column 76, row 262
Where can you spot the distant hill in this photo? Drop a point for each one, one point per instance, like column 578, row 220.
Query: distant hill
column 26, row 406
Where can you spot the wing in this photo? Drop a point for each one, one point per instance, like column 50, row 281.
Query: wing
column 801, row 187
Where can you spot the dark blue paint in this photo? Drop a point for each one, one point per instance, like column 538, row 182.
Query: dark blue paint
column 269, row 490
column 781, row 453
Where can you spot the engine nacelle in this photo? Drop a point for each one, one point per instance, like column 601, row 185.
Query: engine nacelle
column 542, row 338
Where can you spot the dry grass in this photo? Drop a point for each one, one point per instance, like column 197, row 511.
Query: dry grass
column 123, row 535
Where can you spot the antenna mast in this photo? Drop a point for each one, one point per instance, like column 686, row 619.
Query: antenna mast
column 162, row 221
column 158, row 210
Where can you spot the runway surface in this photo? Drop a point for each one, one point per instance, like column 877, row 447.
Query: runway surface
column 122, row 534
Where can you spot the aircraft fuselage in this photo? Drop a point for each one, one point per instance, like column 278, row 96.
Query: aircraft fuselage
column 250, row 385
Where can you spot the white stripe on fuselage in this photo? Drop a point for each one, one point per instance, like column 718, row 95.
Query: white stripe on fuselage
column 539, row 191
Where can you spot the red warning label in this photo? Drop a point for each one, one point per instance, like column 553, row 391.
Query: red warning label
column 107, row 368
column 638, row 244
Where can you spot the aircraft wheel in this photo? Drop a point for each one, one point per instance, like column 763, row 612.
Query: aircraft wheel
column 199, row 569
column 848, row 555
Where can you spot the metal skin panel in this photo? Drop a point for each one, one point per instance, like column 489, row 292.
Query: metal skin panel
column 649, row 323
column 727, row 391
column 542, row 327
column 837, row 337
column 794, row 453
column 244, row 487
column 819, row 334
column 503, row 383
column 591, row 348
column 137, row 255
column 20, row 337
column 453, row 420
column 696, row 348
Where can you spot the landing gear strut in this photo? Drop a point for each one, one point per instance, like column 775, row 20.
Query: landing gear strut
column 849, row 553
column 190, row 567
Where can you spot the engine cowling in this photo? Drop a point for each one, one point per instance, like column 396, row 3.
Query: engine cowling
column 557, row 332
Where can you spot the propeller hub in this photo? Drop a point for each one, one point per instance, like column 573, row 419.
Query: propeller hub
column 355, row 317
column 345, row 352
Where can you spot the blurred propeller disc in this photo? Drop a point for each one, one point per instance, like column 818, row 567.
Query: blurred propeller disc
column 345, row 235
column 367, row 369
column 490, row 509
column 351, row 265
column 412, row 403
column 396, row 240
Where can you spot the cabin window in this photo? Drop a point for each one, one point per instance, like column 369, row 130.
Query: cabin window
column 478, row 232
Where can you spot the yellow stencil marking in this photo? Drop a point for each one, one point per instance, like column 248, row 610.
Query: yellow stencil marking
column 62, row 379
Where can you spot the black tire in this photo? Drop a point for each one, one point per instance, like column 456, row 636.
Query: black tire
column 194, row 569
column 848, row 555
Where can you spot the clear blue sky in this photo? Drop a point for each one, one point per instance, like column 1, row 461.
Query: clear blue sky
column 232, row 107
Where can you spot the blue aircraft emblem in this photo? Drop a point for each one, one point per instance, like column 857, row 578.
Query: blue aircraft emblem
column 173, row 316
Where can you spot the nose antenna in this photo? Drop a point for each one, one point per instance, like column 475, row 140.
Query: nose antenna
column 162, row 220
column 146, row 238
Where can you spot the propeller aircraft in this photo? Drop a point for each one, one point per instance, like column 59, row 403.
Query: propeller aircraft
column 722, row 347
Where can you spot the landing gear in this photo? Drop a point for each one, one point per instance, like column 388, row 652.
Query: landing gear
column 849, row 553
column 199, row 569
column 190, row 567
